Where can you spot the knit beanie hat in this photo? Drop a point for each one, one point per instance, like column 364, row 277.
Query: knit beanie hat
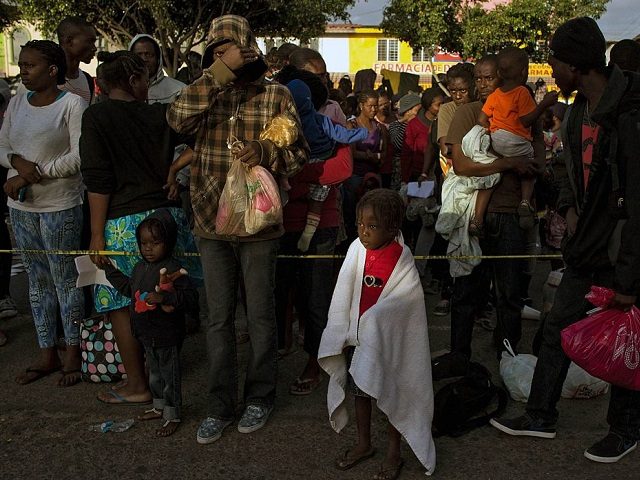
column 407, row 102
column 579, row 42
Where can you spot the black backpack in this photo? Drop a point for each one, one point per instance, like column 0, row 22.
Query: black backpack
column 462, row 405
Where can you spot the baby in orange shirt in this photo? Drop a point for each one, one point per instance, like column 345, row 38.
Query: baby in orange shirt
column 508, row 113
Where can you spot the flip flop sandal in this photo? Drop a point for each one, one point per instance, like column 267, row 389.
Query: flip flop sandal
column 389, row 473
column 305, row 387
column 157, row 415
column 120, row 400
column 162, row 432
column 39, row 373
column 345, row 462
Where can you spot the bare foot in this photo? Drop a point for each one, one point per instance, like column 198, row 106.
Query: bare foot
column 70, row 378
column 152, row 414
column 168, row 427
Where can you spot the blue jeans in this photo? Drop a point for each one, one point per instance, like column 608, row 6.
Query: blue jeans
column 569, row 307
column 165, row 380
column 52, row 278
column 222, row 263
column 505, row 237
column 314, row 281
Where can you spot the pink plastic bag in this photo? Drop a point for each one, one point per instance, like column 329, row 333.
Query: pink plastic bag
column 250, row 201
column 265, row 208
column 607, row 343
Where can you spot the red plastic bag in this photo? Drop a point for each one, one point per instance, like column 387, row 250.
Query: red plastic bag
column 607, row 343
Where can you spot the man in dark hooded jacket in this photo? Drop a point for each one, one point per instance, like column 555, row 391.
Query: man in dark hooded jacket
column 601, row 203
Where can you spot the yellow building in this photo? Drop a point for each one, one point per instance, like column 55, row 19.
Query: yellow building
column 348, row 48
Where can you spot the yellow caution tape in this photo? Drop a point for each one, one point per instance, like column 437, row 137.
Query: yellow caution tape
column 293, row 257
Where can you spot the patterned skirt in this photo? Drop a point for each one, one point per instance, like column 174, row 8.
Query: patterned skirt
column 120, row 235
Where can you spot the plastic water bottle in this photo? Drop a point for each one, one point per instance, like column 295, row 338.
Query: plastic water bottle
column 111, row 426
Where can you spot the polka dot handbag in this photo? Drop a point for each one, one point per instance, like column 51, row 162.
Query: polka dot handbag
column 101, row 360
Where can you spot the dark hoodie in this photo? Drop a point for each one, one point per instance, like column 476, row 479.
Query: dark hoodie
column 156, row 328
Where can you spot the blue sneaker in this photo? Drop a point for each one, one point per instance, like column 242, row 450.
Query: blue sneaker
column 610, row 449
column 525, row 425
column 211, row 430
column 254, row 418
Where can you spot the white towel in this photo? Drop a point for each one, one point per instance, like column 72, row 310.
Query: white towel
column 458, row 203
column 391, row 362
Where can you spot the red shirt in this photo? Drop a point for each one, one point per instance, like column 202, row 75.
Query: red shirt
column 378, row 266
column 416, row 139
column 332, row 171
column 589, row 139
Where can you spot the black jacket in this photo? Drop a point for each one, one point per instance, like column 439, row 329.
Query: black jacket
column 157, row 328
column 607, row 234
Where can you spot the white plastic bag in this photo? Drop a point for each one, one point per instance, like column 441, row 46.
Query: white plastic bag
column 580, row 384
column 517, row 374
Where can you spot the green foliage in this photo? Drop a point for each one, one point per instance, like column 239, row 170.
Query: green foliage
column 465, row 27
column 425, row 23
column 526, row 24
column 179, row 25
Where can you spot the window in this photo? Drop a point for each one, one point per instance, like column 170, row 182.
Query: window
column 388, row 50
column 19, row 37
column 419, row 55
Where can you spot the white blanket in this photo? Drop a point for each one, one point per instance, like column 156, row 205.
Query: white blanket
column 459, row 200
column 391, row 362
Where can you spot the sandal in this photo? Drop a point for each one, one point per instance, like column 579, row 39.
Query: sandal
column 389, row 473
column 151, row 414
column 345, row 461
column 168, row 427
column 31, row 374
column 527, row 215
column 476, row 228
column 306, row 386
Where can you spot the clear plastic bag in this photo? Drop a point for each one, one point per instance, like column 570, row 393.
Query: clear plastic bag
column 607, row 343
column 234, row 202
column 249, row 202
column 265, row 208
column 517, row 372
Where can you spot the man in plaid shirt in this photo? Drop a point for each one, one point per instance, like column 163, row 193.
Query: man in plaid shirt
column 232, row 103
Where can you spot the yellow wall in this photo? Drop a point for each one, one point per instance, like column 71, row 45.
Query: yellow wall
column 363, row 53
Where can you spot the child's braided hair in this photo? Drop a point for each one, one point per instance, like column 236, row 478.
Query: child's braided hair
column 53, row 54
column 387, row 206
column 116, row 69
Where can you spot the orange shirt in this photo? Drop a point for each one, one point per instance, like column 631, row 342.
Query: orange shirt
column 504, row 110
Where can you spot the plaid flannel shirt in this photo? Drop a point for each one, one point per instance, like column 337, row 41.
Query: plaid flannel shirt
column 219, row 112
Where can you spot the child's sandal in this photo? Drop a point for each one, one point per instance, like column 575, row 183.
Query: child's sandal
column 527, row 215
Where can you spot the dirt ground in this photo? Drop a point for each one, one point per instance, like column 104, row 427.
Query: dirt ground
column 44, row 430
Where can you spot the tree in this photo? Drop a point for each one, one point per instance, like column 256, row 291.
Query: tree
column 427, row 24
column 180, row 25
column 467, row 28
column 8, row 15
column 526, row 24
